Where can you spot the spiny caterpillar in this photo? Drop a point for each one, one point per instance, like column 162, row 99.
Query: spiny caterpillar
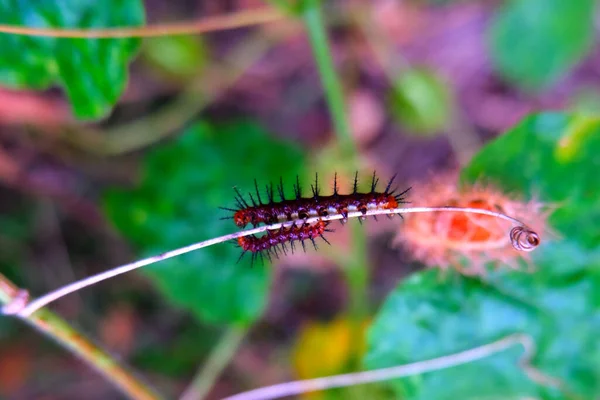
column 277, row 238
column 301, row 208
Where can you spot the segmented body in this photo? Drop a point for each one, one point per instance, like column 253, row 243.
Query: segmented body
column 272, row 240
column 284, row 210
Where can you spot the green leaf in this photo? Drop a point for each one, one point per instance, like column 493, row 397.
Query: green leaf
column 93, row 72
column 429, row 316
column 536, row 42
column 177, row 203
column 554, row 157
column 421, row 102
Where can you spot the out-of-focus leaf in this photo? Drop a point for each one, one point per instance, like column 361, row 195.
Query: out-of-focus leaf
column 177, row 204
column 178, row 57
column 535, row 42
column 552, row 156
column 421, row 102
column 93, row 72
column 428, row 316
column 289, row 6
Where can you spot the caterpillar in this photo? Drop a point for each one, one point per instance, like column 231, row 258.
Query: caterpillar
column 273, row 211
column 269, row 243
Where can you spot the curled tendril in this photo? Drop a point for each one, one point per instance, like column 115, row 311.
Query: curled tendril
column 523, row 238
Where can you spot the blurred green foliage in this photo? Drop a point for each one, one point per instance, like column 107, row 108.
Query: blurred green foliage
column 292, row 7
column 176, row 57
column 536, row 42
column 177, row 203
column 554, row 157
column 421, row 102
column 93, row 72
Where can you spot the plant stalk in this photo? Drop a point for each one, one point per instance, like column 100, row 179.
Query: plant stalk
column 315, row 27
column 75, row 342
column 519, row 240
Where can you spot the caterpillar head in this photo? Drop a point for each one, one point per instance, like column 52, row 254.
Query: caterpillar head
column 241, row 218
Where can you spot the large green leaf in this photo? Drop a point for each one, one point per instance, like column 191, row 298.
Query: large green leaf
column 553, row 156
column 428, row 316
column 93, row 72
column 177, row 204
column 535, row 42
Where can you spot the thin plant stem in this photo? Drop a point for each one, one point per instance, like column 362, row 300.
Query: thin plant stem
column 315, row 26
column 357, row 277
column 378, row 375
column 207, row 24
column 356, row 271
column 216, row 363
column 24, row 308
column 76, row 343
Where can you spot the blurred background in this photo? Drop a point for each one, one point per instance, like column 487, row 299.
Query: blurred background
column 112, row 150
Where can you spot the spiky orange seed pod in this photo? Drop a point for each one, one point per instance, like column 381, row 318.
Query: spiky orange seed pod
column 463, row 241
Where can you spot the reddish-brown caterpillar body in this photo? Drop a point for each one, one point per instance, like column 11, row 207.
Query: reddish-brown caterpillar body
column 272, row 240
column 301, row 208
